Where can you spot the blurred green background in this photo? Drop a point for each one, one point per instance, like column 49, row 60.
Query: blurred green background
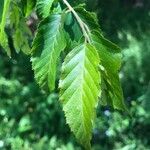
column 33, row 120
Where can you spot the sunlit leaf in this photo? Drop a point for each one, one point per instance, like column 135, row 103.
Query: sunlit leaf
column 80, row 89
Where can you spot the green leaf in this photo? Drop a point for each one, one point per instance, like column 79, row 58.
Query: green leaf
column 4, row 42
column 43, row 7
column 89, row 18
column 72, row 27
column 46, row 49
column 28, row 6
column 110, row 65
column 15, row 14
column 21, row 32
column 108, row 51
column 80, row 89
column 3, row 35
column 1, row 8
column 20, row 39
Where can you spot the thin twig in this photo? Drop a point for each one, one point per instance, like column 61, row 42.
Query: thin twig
column 81, row 23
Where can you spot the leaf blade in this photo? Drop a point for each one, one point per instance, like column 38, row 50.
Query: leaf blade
column 3, row 36
column 21, row 34
column 46, row 49
column 80, row 89
column 111, row 62
column 43, row 7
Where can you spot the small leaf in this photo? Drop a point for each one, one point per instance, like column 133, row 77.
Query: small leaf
column 79, row 90
column 46, row 49
column 110, row 65
column 72, row 27
column 4, row 42
column 21, row 42
column 43, row 7
column 21, row 32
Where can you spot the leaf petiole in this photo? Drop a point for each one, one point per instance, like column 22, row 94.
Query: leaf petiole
column 83, row 26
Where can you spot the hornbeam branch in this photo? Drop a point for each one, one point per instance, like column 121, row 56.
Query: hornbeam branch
column 81, row 23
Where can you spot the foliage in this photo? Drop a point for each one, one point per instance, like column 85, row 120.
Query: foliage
column 22, row 103
column 85, row 64
column 80, row 93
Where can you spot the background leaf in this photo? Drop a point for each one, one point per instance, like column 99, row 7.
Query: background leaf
column 72, row 27
column 28, row 6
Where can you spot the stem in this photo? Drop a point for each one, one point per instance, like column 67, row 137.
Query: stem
column 87, row 28
column 81, row 23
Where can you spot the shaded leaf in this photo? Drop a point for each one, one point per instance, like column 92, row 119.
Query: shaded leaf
column 21, row 32
column 110, row 65
column 89, row 18
column 72, row 27
column 4, row 42
column 47, row 46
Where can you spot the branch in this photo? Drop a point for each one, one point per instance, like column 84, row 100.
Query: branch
column 81, row 23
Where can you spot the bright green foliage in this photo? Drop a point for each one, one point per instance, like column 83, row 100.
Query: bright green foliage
column 20, row 39
column 46, row 49
column 4, row 42
column 43, row 7
column 80, row 88
column 91, row 63
column 73, row 28
column 22, row 103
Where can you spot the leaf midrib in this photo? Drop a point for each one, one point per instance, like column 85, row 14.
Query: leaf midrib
column 81, row 88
